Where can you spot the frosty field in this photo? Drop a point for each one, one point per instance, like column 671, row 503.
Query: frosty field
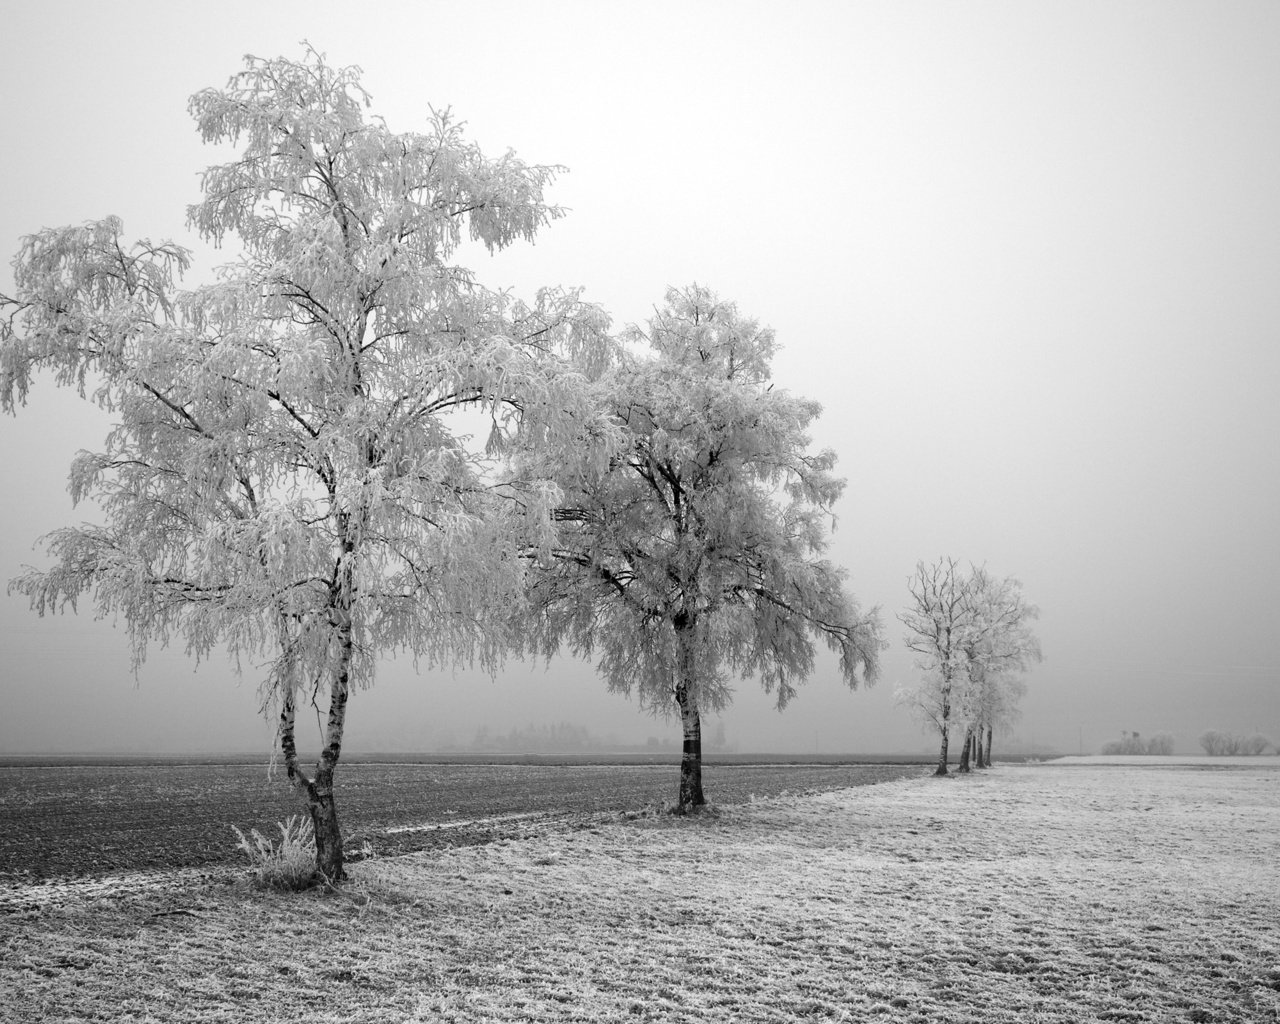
column 1025, row 894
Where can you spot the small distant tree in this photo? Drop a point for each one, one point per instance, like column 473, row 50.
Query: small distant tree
column 695, row 551
column 288, row 476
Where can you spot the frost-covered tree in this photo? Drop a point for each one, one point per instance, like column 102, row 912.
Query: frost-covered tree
column 998, row 645
column 970, row 633
column 288, row 477
column 940, row 618
column 694, row 553
column 998, row 708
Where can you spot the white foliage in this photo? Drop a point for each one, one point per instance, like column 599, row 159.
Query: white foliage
column 694, row 553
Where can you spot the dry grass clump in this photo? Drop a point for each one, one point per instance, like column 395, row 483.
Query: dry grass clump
column 289, row 865
column 1025, row 895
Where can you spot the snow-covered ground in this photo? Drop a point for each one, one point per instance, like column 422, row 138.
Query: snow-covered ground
column 1025, row 894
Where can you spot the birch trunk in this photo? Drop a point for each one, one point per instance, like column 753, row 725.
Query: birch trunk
column 317, row 792
column 317, row 789
column 966, row 751
column 945, row 729
column 324, row 812
column 691, row 796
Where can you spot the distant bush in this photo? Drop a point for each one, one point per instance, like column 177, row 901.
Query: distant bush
column 1161, row 743
column 1133, row 743
column 1225, row 744
column 291, row 865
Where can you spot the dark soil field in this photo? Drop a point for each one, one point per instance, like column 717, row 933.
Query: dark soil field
column 96, row 819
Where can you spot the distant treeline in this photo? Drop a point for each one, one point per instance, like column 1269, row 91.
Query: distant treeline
column 1214, row 743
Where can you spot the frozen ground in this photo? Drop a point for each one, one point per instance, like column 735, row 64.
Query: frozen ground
column 1024, row 894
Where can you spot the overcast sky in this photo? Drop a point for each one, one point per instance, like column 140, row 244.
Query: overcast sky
column 1026, row 255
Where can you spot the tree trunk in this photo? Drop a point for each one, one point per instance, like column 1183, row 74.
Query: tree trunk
column 979, row 755
column 965, row 751
column 691, row 796
column 324, row 822
column 317, row 790
column 990, row 736
column 945, row 729
column 943, row 753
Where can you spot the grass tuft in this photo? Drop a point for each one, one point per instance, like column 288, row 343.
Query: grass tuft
column 289, row 865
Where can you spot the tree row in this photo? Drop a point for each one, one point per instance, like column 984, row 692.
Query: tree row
column 347, row 447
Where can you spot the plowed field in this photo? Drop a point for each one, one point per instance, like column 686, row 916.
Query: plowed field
column 61, row 821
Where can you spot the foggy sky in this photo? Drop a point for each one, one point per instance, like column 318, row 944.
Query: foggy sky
column 1027, row 256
